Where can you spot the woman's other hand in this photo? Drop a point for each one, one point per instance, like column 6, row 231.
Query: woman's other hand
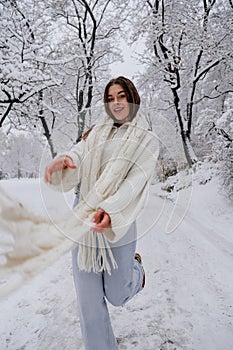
column 102, row 220
column 58, row 164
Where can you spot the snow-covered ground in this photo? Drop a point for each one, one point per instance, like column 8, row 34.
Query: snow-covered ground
column 188, row 299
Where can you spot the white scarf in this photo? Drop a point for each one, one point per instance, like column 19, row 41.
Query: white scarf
column 98, row 188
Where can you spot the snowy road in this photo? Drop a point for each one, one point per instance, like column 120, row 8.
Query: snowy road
column 187, row 303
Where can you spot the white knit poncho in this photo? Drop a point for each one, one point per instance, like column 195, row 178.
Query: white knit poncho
column 114, row 167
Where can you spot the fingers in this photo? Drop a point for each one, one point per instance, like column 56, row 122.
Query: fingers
column 58, row 165
column 103, row 224
column 68, row 163
column 98, row 216
column 48, row 175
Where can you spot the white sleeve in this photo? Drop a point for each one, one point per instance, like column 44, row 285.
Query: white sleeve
column 68, row 178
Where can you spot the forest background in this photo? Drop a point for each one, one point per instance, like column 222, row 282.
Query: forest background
column 57, row 56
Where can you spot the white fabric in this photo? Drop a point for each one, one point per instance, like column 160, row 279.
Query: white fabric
column 119, row 187
column 28, row 244
column 99, row 187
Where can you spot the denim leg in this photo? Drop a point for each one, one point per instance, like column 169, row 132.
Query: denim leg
column 125, row 281
column 119, row 287
column 94, row 317
column 76, row 200
column 93, row 312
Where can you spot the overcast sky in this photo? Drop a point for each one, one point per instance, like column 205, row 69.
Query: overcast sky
column 130, row 66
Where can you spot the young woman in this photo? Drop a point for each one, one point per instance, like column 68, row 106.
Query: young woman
column 114, row 166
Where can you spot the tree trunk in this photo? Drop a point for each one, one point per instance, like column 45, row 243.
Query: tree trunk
column 47, row 134
column 185, row 134
column 188, row 150
column 81, row 124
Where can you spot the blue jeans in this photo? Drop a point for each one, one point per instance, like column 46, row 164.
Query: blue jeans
column 93, row 289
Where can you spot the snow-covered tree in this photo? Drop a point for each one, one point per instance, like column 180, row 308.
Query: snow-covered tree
column 218, row 135
column 188, row 44
column 24, row 27
column 92, row 30
column 54, row 63
column 20, row 156
column 21, row 76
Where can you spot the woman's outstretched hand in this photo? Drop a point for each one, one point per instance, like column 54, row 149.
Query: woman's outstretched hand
column 102, row 220
column 58, row 164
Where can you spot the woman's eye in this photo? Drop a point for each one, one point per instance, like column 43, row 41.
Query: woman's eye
column 118, row 98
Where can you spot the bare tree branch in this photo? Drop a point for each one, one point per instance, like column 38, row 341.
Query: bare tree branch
column 212, row 97
column 103, row 12
column 207, row 69
column 6, row 113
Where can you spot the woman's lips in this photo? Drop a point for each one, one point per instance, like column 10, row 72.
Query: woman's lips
column 118, row 109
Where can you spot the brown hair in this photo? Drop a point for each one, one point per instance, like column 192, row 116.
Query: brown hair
column 131, row 94
column 85, row 135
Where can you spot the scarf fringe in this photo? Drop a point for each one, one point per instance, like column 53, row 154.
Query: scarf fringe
column 95, row 254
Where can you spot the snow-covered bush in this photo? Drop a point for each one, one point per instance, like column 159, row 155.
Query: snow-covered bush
column 218, row 134
column 224, row 150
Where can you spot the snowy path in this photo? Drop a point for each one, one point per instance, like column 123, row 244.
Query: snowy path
column 187, row 303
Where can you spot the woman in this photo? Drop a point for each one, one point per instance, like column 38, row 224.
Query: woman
column 114, row 166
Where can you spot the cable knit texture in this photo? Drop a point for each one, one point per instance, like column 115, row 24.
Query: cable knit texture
column 115, row 166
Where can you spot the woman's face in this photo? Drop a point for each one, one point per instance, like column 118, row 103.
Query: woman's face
column 118, row 104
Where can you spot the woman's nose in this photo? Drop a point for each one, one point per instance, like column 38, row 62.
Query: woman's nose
column 116, row 99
